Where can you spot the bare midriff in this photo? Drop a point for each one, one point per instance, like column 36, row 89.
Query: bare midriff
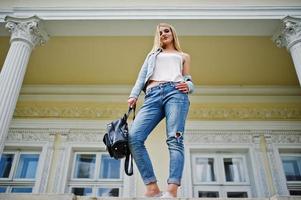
column 153, row 83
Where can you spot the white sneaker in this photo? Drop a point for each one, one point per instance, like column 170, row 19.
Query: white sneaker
column 166, row 195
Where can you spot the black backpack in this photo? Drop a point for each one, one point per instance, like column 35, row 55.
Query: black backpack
column 116, row 141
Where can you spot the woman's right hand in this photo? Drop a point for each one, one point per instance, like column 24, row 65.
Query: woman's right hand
column 132, row 102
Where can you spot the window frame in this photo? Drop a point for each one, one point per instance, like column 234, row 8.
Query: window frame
column 194, row 179
column 212, row 188
column 15, row 170
column 108, row 179
column 95, row 182
column 12, row 182
column 73, row 167
column 12, row 169
column 220, row 185
column 245, row 170
column 290, row 184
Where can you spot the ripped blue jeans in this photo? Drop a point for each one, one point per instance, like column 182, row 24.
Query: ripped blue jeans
column 163, row 100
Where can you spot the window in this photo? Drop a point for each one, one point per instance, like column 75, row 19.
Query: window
column 18, row 171
column 292, row 170
column 218, row 175
column 95, row 174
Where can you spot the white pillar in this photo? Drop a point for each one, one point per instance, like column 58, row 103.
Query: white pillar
column 26, row 33
column 289, row 36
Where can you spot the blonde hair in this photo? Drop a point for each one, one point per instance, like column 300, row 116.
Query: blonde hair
column 157, row 43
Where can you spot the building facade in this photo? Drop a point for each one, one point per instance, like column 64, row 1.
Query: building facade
column 68, row 68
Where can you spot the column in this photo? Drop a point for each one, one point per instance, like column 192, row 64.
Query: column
column 289, row 36
column 26, row 33
column 58, row 163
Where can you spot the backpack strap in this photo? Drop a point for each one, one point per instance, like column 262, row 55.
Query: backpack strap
column 129, row 112
column 128, row 167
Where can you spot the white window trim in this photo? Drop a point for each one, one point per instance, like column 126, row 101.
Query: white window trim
column 246, row 171
column 222, row 190
column 108, row 179
column 197, row 155
column 219, row 168
column 10, row 188
column 291, row 183
column 12, row 170
column 95, row 182
column 95, row 188
column 16, row 161
column 198, row 188
column 12, row 182
column 220, row 185
column 73, row 167
column 97, row 168
column 236, row 189
column 19, row 155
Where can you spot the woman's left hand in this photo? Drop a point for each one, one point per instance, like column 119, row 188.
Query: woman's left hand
column 183, row 87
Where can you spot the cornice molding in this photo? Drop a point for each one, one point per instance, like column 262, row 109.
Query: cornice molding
column 155, row 12
column 197, row 111
column 119, row 94
column 125, row 89
column 89, row 125
column 207, row 103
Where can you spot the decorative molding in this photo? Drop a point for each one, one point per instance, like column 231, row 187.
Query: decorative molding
column 29, row 30
column 85, row 135
column 61, row 131
column 289, row 32
column 45, row 89
column 28, row 135
column 70, row 111
column 245, row 112
column 156, row 12
column 254, row 127
column 219, row 137
column 286, row 137
column 197, row 111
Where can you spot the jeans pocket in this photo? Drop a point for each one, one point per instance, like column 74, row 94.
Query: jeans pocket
column 180, row 97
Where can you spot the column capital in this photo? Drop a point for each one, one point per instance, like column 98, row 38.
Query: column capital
column 289, row 32
column 29, row 30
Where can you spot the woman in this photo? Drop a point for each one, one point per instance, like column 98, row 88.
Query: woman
column 165, row 79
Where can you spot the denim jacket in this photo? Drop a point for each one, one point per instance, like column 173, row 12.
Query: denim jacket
column 146, row 72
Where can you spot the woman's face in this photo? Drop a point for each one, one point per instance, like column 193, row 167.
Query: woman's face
column 166, row 36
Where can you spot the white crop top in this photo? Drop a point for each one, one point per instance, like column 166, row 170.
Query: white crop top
column 168, row 67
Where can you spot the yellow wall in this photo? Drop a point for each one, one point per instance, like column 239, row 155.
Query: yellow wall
column 116, row 60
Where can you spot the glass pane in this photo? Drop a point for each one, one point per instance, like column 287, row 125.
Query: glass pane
column 295, row 192
column 204, row 170
column 108, row 192
column 84, row 166
column 292, row 168
column 82, row 191
column 2, row 189
column 27, row 166
column 237, row 194
column 234, row 170
column 6, row 164
column 21, row 190
column 208, row 194
column 109, row 168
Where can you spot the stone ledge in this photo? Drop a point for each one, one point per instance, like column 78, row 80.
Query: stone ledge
column 37, row 197
column 73, row 197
